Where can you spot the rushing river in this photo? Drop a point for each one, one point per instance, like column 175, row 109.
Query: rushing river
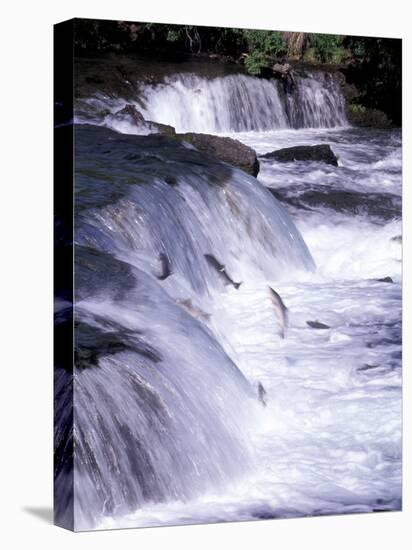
column 169, row 429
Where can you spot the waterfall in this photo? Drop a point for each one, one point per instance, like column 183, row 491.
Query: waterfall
column 316, row 102
column 161, row 412
column 232, row 103
column 238, row 102
column 229, row 103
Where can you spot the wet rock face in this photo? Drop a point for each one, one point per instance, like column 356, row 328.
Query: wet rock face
column 224, row 148
column 380, row 206
column 319, row 153
column 361, row 116
column 129, row 111
column 135, row 118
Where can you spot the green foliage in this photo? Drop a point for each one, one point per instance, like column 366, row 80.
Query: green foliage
column 255, row 62
column 328, row 47
column 263, row 47
column 310, row 56
column 340, row 55
column 372, row 65
column 172, row 35
column 267, row 42
column 376, row 71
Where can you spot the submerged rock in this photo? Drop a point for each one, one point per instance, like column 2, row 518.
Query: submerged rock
column 384, row 206
column 224, row 148
column 319, row 153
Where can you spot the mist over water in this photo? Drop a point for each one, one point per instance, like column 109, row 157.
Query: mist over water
column 169, row 427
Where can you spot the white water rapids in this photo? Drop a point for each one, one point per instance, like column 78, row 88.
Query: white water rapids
column 235, row 103
column 329, row 439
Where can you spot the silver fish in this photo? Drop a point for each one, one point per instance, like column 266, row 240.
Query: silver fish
column 221, row 270
column 281, row 311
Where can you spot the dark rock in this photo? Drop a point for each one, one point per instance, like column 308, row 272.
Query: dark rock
column 94, row 343
column 171, row 180
column 361, row 116
column 377, row 205
column 385, row 280
column 281, row 69
column 319, row 153
column 130, row 112
column 163, row 129
column 316, row 324
column 224, row 148
column 135, row 117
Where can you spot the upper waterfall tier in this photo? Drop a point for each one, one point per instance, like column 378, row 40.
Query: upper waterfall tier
column 244, row 103
column 230, row 103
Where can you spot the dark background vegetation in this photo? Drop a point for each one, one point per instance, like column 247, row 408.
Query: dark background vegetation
column 371, row 66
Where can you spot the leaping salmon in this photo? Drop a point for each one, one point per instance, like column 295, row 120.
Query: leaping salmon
column 281, row 311
column 221, row 270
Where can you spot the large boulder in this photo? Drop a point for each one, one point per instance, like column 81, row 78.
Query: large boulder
column 318, row 153
column 224, row 148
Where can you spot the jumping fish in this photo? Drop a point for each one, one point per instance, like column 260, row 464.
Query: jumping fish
column 221, row 269
column 262, row 394
column 165, row 267
column 193, row 310
column 281, row 311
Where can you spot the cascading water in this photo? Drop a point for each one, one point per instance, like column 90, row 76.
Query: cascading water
column 232, row 103
column 170, row 352
column 152, row 378
column 237, row 103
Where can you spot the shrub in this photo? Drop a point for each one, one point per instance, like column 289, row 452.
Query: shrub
column 263, row 48
column 327, row 46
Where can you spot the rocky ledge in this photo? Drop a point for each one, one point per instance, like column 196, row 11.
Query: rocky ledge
column 313, row 153
column 224, row 148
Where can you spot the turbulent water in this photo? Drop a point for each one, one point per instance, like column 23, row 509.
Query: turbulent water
column 235, row 102
column 168, row 425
